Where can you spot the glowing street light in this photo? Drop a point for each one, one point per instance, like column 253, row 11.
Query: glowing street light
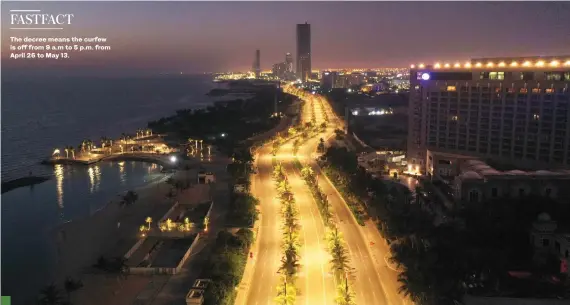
column 173, row 159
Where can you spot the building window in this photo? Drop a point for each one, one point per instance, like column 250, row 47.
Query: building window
column 494, row 192
column 553, row 76
column 536, row 117
column 536, row 90
column 451, row 88
column 484, row 75
column 523, row 90
column 527, row 75
column 473, row 196
column 549, row 90
column 545, row 242
column 567, row 76
column 497, row 75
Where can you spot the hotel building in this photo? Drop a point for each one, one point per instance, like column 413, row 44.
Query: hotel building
column 513, row 110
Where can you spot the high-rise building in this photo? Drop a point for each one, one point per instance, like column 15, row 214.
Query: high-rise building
column 356, row 79
column 329, row 79
column 303, row 51
column 280, row 70
column 257, row 64
column 512, row 110
column 289, row 62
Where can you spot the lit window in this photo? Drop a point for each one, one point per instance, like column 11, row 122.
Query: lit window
column 535, row 90
column 553, row 76
column 497, row 75
column 451, row 88
column 549, row 90
column 454, row 118
column 536, row 117
column 523, row 90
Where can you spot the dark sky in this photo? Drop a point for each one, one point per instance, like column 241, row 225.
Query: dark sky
column 220, row 36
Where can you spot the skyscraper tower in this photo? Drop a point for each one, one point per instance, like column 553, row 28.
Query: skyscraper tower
column 289, row 62
column 303, row 51
column 257, row 64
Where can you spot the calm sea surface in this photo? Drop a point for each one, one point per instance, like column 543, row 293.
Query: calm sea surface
column 40, row 116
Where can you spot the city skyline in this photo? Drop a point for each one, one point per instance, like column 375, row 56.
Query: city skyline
column 221, row 37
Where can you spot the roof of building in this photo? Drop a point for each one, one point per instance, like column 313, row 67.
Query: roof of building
column 470, row 175
column 478, row 169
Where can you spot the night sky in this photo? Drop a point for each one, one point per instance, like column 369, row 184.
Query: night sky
column 195, row 37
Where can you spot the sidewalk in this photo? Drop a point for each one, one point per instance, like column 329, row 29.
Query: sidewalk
column 243, row 287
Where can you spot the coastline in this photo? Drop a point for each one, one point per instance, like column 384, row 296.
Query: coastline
column 78, row 243
column 33, row 180
column 23, row 182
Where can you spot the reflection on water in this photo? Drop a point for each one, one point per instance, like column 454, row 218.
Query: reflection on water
column 97, row 171
column 30, row 215
column 91, row 173
column 58, row 173
column 122, row 172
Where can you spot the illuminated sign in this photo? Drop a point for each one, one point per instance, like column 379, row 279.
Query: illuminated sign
column 425, row 76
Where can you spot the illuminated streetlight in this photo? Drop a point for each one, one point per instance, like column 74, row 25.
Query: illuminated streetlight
column 173, row 159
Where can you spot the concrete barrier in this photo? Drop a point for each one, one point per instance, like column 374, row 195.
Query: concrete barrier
column 160, row 270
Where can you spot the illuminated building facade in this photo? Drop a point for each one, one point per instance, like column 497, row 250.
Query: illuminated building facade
column 329, row 79
column 515, row 110
column 280, row 70
column 289, row 62
column 303, row 51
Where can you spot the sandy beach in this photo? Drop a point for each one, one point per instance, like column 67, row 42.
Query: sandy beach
column 109, row 232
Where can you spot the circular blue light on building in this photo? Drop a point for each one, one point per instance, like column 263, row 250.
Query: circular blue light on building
column 425, row 76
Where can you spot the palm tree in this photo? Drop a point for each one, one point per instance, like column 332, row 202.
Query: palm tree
column 66, row 152
column 149, row 221
column 290, row 262
column 339, row 254
column 283, row 187
column 286, row 294
column 307, row 172
column 321, row 146
column 418, row 194
column 118, row 266
column 50, row 295
column 345, row 295
column 70, row 286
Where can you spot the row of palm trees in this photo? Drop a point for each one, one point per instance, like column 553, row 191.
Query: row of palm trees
column 106, row 143
column 336, row 245
column 290, row 261
column 141, row 133
column 53, row 295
